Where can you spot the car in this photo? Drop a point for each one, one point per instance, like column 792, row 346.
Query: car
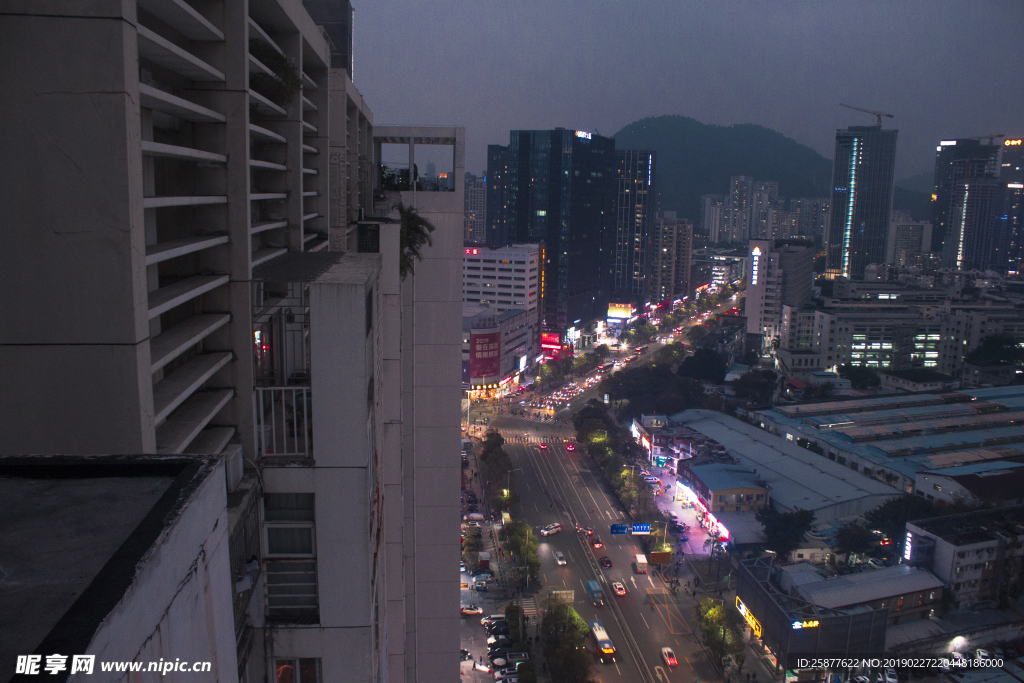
column 559, row 559
column 861, row 679
column 480, row 588
column 981, row 654
column 672, row 516
column 606, row 562
column 596, row 542
column 474, row 524
column 497, row 629
column 467, row 610
column 494, row 653
column 543, row 446
column 890, row 676
column 499, row 640
column 483, row 575
column 466, row 656
column 462, row 566
column 669, row 656
column 569, row 447
column 551, row 529
column 587, row 530
column 876, row 564
column 619, row 588
column 491, row 619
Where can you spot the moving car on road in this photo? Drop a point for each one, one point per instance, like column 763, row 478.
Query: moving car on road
column 551, row 529
column 569, row 447
column 467, row 610
column 619, row 588
column 669, row 656
column 559, row 558
column 544, row 446
column 596, row 541
column 606, row 562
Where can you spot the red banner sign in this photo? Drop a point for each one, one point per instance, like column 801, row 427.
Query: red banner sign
column 484, row 355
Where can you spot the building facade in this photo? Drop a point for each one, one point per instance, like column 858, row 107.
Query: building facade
column 211, row 300
column 562, row 194
column 907, row 238
column 712, row 217
column 474, row 231
column 496, row 347
column 779, row 273
column 635, row 206
column 496, row 201
column 957, row 161
column 862, row 189
column 813, row 214
column 670, row 253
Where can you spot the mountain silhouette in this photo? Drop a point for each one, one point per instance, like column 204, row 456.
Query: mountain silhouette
column 695, row 159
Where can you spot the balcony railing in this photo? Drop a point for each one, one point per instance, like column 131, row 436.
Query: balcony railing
column 284, row 421
column 292, row 592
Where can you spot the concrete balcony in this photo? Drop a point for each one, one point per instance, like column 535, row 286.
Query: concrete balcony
column 284, row 422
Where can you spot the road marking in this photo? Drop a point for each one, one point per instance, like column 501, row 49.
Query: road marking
column 651, row 580
column 633, row 579
column 535, row 507
column 645, row 621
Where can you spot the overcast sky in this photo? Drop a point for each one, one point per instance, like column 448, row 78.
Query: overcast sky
column 944, row 69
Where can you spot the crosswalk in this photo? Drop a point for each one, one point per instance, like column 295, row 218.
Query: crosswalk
column 530, row 607
column 516, row 437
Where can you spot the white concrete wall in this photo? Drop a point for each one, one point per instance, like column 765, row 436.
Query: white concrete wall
column 180, row 602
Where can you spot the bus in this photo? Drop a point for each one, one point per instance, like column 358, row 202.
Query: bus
column 640, row 350
column 606, row 367
column 603, row 647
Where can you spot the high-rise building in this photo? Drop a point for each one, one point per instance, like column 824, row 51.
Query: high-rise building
column 782, row 224
column 634, row 215
column 496, row 202
column 954, row 159
column 335, row 16
column 907, row 239
column 971, row 241
column 191, row 282
column 738, row 208
column 812, row 217
column 765, row 201
column 561, row 192
column 476, row 210
column 1011, row 214
column 712, row 218
column 779, row 273
column 862, row 189
column 671, row 249
column 505, row 279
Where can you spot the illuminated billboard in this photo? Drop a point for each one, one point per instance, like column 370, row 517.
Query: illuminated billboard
column 551, row 344
column 484, row 355
column 622, row 311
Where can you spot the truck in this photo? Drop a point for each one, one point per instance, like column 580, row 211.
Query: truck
column 641, row 564
column 485, row 560
column 595, row 593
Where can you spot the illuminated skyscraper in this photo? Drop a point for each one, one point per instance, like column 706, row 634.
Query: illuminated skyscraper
column 954, row 159
column 634, row 214
column 862, row 182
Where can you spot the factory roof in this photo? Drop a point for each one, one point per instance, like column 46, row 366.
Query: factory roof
column 977, row 468
column 719, row 476
column 868, row 586
column 970, row 528
column 796, row 477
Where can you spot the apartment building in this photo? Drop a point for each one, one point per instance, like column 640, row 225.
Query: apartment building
column 187, row 238
column 979, row 556
column 779, row 273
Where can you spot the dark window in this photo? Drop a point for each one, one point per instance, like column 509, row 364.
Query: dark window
column 369, row 310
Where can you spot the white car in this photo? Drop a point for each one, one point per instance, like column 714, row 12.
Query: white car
column 551, row 529
column 560, row 558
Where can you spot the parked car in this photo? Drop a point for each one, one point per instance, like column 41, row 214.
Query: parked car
column 467, row 610
column 669, row 656
column 480, row 587
column 551, row 529
column 466, row 656
column 486, row 574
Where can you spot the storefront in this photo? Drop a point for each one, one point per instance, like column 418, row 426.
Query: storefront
column 704, row 517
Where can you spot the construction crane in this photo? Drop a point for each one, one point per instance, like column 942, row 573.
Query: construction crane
column 878, row 114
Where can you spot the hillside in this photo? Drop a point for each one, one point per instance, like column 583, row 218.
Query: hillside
column 695, row 159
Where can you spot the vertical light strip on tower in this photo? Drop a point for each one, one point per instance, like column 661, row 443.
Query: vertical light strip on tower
column 849, row 208
column 963, row 228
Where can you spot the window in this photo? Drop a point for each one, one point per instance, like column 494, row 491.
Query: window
column 369, row 310
column 721, row 499
column 291, row 562
column 296, row 671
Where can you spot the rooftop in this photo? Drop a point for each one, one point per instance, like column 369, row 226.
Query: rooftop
column 796, row 477
column 718, row 476
column 856, row 589
column 918, row 375
column 975, row 527
column 75, row 529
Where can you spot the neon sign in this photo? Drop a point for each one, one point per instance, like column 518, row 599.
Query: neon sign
column 755, row 257
column 581, row 134
column 1013, row 143
column 805, row 624
column 755, row 625
column 908, row 546
column 472, row 252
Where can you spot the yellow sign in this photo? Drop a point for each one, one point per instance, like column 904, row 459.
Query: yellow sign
column 1013, row 143
column 621, row 311
column 755, row 625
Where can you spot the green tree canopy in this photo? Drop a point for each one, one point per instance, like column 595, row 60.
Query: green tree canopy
column 563, row 634
column 651, row 389
column 854, row 537
column 784, row 531
column 860, row 376
column 757, row 385
column 996, row 350
column 414, row 233
column 704, row 365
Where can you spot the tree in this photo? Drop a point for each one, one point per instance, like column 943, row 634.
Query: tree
column 819, row 392
column 751, row 358
column 860, row 376
column 854, row 537
column 784, row 531
column 891, row 517
column 564, row 639
column 651, row 389
column 996, row 349
column 704, row 365
column 414, row 232
column 602, row 351
column 757, row 385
